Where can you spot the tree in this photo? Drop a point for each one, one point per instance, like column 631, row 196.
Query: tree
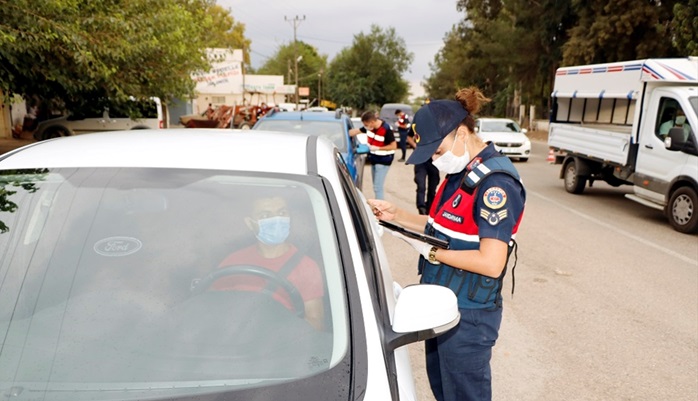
column 684, row 28
column 621, row 30
column 226, row 33
column 508, row 49
column 83, row 50
column 311, row 64
column 369, row 72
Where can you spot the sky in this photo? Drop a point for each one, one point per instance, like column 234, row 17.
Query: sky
column 330, row 26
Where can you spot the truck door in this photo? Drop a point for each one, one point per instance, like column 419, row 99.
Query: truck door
column 657, row 166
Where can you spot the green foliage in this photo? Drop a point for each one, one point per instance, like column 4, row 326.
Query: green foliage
column 369, row 72
column 311, row 67
column 77, row 50
column 226, row 33
column 10, row 182
column 684, row 28
column 621, row 30
column 511, row 48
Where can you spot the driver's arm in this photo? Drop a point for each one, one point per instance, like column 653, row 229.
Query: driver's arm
column 315, row 313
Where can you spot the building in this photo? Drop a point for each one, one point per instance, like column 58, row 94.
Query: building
column 227, row 84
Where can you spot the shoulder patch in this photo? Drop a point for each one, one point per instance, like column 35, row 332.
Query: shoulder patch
column 495, row 198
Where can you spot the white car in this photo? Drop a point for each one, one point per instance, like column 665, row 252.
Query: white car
column 506, row 135
column 110, row 118
column 134, row 266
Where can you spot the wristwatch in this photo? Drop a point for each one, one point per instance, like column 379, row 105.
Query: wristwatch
column 432, row 255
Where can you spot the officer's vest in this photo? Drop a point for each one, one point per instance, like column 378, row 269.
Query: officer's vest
column 455, row 221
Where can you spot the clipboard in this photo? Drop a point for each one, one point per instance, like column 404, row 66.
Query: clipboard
column 437, row 242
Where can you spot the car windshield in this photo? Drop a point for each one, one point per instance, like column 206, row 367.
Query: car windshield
column 499, row 126
column 332, row 130
column 126, row 283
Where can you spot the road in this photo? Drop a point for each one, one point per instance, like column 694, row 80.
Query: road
column 606, row 300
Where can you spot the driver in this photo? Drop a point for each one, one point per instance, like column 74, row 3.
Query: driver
column 270, row 222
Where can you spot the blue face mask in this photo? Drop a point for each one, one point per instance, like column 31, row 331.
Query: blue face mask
column 274, row 230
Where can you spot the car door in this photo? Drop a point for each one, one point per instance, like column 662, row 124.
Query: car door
column 399, row 370
column 656, row 165
column 82, row 123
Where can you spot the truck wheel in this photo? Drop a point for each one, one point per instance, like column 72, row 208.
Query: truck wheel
column 574, row 184
column 244, row 126
column 54, row 132
column 681, row 210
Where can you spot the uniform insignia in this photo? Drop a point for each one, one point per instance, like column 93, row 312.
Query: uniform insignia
column 495, row 198
column 416, row 135
column 474, row 163
column 493, row 218
column 456, row 201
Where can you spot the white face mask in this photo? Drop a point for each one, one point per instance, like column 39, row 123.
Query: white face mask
column 680, row 120
column 449, row 163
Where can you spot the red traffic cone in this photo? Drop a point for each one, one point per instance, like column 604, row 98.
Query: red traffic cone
column 551, row 157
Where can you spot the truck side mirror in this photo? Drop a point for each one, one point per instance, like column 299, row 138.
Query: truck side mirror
column 675, row 139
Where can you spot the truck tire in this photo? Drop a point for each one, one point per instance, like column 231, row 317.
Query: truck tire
column 54, row 132
column 574, row 184
column 244, row 126
column 681, row 210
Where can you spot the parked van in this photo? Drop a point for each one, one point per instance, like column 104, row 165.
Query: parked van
column 387, row 114
column 115, row 117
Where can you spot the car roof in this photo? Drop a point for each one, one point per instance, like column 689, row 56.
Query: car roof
column 306, row 116
column 188, row 148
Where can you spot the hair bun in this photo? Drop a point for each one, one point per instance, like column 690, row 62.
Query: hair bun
column 472, row 99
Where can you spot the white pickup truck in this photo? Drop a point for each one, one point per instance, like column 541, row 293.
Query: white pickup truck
column 631, row 122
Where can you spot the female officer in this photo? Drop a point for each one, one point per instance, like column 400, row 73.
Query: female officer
column 478, row 209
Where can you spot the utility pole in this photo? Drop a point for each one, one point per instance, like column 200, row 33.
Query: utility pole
column 295, row 21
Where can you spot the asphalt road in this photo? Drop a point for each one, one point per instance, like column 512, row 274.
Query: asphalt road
column 606, row 300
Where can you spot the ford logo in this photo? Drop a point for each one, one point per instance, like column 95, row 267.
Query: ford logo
column 118, row 246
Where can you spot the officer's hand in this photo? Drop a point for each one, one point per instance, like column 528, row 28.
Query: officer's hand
column 422, row 247
column 383, row 210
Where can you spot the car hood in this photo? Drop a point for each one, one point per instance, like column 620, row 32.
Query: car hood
column 513, row 137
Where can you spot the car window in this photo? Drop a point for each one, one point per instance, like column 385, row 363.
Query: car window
column 136, row 108
column 499, row 126
column 146, row 283
column 332, row 130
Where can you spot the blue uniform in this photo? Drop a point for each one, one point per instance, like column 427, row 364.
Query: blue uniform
column 486, row 200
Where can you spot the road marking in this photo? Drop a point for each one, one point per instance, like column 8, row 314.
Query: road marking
column 618, row 230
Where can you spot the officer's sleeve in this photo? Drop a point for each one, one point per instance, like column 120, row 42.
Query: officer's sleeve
column 499, row 206
column 389, row 135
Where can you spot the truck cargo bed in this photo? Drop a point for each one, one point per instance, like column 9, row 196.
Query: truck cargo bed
column 604, row 143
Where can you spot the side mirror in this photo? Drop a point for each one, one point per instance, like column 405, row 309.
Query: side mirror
column 524, row 130
column 423, row 311
column 477, row 129
column 362, row 149
column 675, row 140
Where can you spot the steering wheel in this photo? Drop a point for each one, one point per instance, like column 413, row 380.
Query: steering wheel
column 271, row 276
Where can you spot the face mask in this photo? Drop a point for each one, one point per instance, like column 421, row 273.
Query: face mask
column 449, row 163
column 680, row 120
column 274, row 230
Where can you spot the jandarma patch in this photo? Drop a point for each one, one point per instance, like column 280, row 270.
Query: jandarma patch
column 494, row 217
column 495, row 198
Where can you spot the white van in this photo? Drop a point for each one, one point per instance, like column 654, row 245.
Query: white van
column 112, row 118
